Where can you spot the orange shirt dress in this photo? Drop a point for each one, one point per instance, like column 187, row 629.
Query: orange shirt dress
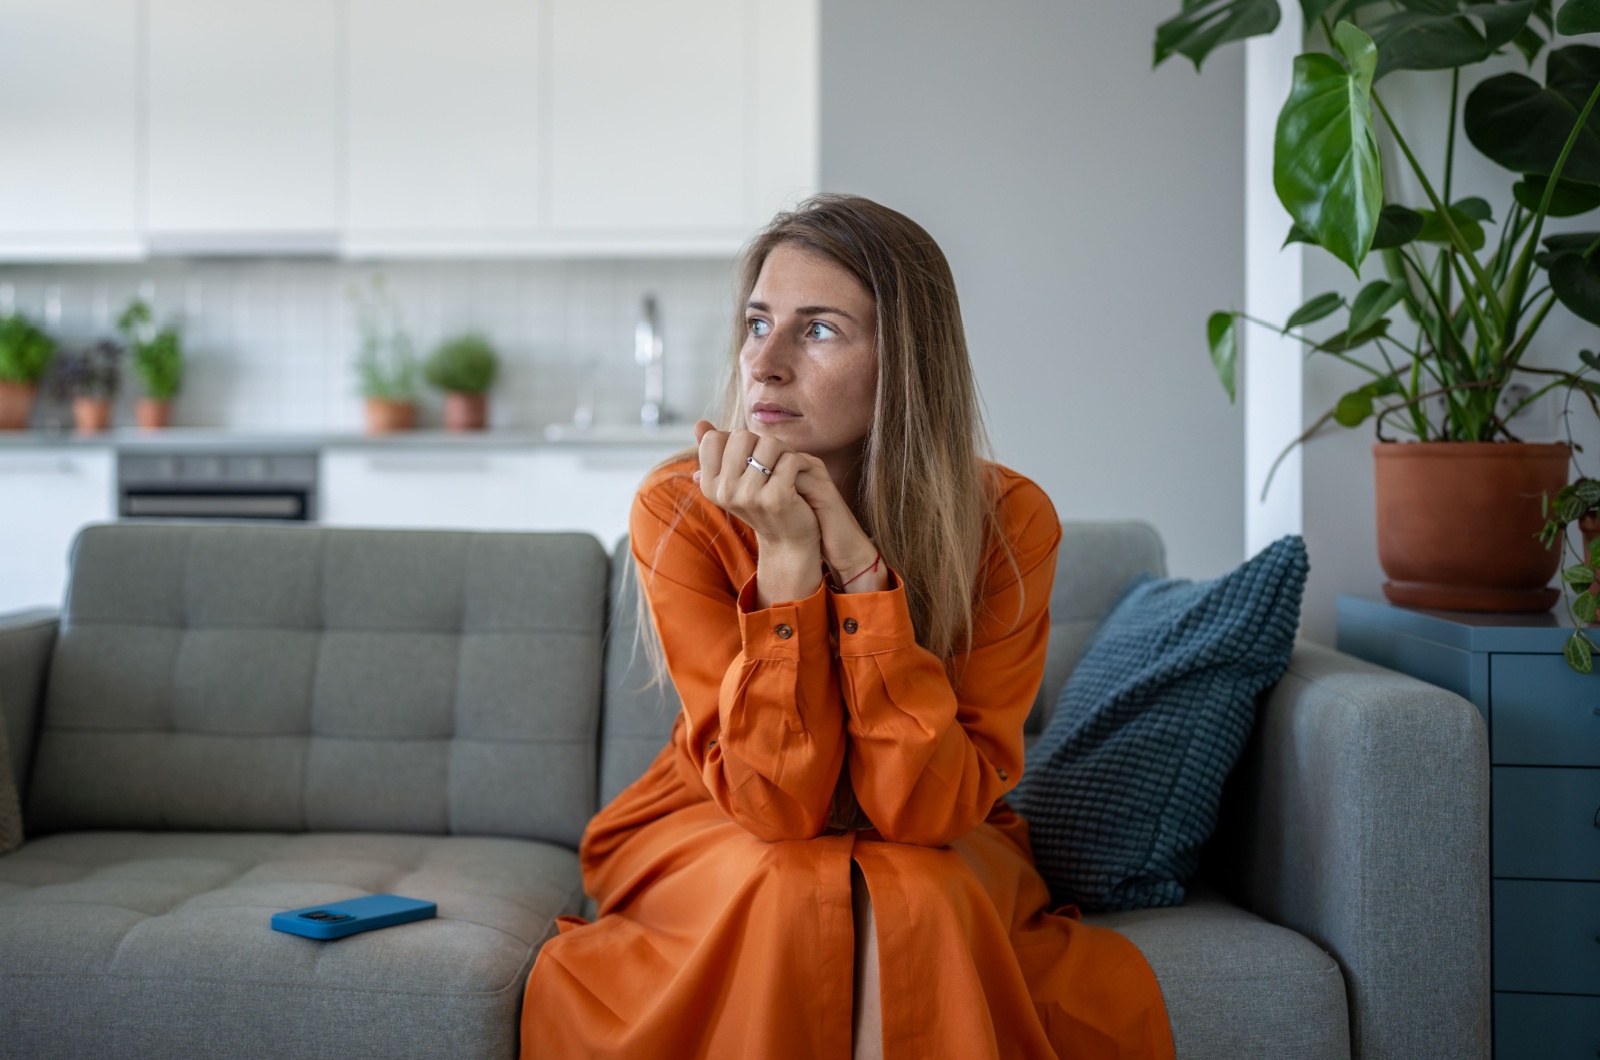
column 725, row 925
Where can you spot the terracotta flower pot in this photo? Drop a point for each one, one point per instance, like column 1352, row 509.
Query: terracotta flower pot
column 152, row 413
column 92, row 415
column 465, row 412
column 16, row 405
column 1458, row 523
column 385, row 416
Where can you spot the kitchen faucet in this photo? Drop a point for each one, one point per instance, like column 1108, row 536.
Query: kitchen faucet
column 648, row 351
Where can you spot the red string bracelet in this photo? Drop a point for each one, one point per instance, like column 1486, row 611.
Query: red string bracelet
column 875, row 559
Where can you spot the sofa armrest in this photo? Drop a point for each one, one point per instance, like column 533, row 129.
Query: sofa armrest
column 1359, row 816
column 26, row 640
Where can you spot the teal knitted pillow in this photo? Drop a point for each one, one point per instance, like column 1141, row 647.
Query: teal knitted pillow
column 1122, row 788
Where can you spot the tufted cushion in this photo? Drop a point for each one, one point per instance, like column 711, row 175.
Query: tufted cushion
column 1122, row 789
column 215, row 676
column 164, row 939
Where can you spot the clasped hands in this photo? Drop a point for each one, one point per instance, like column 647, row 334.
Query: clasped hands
column 799, row 516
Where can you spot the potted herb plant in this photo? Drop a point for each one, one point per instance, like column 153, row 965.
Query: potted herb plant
column 1457, row 523
column 157, row 360
column 89, row 378
column 386, row 363
column 25, row 353
column 463, row 367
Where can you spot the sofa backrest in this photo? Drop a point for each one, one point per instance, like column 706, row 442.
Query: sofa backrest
column 246, row 677
column 1095, row 561
column 1097, row 558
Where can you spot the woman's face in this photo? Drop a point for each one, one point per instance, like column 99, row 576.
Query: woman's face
column 808, row 368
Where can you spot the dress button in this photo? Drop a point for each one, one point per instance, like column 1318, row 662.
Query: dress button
column 784, row 632
column 1003, row 774
column 850, row 625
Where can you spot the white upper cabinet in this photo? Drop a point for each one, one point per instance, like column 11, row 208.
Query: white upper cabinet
column 396, row 128
column 69, row 110
column 243, row 134
column 649, row 118
column 442, row 145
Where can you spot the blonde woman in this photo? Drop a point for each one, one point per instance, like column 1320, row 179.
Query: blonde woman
column 853, row 606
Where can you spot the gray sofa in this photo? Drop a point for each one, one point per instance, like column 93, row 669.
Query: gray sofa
column 229, row 720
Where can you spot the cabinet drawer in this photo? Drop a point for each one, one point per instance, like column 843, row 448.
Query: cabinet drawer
column 1547, row 823
column 1542, row 712
column 1546, row 1027
column 1547, row 936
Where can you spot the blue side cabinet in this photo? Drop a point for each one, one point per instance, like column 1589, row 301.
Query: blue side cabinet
column 1544, row 755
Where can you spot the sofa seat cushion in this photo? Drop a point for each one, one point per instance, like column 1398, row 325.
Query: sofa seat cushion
column 1238, row 987
column 159, row 943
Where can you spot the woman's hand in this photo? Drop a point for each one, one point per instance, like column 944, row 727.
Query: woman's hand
column 780, row 516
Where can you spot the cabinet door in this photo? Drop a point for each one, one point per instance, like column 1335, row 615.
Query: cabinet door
column 592, row 490
column 442, row 131
column 69, row 126
column 243, row 136
column 47, row 496
column 429, row 489
column 649, row 118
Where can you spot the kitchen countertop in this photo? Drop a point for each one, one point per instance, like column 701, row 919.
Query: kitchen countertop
column 560, row 436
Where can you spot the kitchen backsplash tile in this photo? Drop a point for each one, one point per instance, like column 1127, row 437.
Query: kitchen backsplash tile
column 271, row 343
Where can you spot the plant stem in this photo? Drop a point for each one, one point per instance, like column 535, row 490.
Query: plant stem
column 1450, row 141
column 1519, row 276
column 1456, row 237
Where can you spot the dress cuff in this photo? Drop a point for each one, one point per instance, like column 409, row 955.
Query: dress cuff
column 777, row 632
column 869, row 623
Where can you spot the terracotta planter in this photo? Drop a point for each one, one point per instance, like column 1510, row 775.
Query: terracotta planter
column 1458, row 523
column 386, row 417
column 92, row 415
column 153, row 414
column 16, row 405
column 465, row 412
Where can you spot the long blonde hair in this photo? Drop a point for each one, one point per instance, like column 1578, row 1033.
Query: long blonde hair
column 925, row 496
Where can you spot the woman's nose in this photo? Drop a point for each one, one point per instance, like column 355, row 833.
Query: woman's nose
column 772, row 359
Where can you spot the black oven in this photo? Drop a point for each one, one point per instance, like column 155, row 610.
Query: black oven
column 266, row 486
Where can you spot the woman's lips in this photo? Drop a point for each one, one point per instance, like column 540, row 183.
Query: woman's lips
column 773, row 416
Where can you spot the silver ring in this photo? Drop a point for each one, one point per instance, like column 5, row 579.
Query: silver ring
column 758, row 466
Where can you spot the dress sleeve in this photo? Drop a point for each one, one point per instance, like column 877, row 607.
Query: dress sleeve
column 928, row 759
column 763, row 713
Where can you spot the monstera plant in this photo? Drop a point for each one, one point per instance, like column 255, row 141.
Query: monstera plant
column 1462, row 293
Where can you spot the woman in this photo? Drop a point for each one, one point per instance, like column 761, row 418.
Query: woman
column 853, row 608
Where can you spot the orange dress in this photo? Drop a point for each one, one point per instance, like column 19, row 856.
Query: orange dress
column 725, row 926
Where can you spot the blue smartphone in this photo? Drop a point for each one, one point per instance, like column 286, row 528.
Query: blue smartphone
column 338, row 919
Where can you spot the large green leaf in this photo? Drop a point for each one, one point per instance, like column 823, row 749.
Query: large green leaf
column 1356, row 406
column 1573, row 262
column 1523, row 127
column 1446, row 34
column 1579, row 16
column 1570, row 198
column 1326, row 168
column 1204, row 25
column 1223, row 337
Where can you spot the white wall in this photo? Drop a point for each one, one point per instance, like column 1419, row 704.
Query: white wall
column 271, row 342
column 1092, row 211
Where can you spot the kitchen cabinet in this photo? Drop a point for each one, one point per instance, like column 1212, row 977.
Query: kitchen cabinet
column 69, row 184
column 443, row 125
column 679, row 123
column 243, row 135
column 402, row 128
column 46, row 496
column 582, row 489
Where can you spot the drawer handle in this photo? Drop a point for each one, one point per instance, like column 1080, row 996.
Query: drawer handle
column 1597, row 818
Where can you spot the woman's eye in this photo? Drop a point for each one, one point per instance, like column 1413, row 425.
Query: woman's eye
column 819, row 326
column 758, row 327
